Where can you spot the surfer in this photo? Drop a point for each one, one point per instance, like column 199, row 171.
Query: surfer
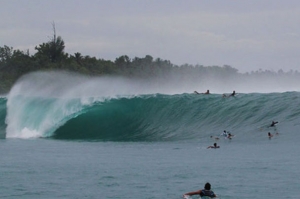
column 273, row 124
column 215, row 137
column 207, row 92
column 225, row 133
column 232, row 94
column 270, row 135
column 206, row 192
column 214, row 146
column 229, row 136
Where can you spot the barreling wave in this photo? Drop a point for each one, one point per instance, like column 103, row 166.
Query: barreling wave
column 2, row 116
column 139, row 117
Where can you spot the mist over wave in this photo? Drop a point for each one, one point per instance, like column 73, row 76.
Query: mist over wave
column 70, row 106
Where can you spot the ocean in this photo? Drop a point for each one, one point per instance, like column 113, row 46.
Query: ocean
column 68, row 136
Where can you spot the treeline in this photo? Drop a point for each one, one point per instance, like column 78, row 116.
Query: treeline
column 51, row 56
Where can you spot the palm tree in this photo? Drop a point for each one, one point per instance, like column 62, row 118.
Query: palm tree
column 52, row 50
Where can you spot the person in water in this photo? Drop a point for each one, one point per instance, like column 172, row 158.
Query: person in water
column 232, row 94
column 215, row 137
column 214, row 146
column 207, row 92
column 206, row 192
column 225, row 133
column 270, row 135
column 229, row 136
column 273, row 124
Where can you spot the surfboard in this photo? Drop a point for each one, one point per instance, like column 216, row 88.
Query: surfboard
column 203, row 197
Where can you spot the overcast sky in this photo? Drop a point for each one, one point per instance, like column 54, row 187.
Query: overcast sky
column 247, row 35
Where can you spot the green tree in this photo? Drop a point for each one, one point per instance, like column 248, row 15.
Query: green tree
column 5, row 54
column 53, row 50
column 78, row 57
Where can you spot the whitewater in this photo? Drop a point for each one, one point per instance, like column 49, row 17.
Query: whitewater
column 73, row 136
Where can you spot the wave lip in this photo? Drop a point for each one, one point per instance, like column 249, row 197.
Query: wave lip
column 41, row 102
column 111, row 109
column 178, row 117
column 148, row 117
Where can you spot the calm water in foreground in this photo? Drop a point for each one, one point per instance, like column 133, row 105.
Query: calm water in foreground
column 47, row 168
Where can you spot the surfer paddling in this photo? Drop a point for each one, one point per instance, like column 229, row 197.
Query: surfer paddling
column 207, row 92
column 270, row 135
column 231, row 95
column 229, row 136
column 202, row 192
column 273, row 124
column 226, row 134
column 214, row 137
column 215, row 146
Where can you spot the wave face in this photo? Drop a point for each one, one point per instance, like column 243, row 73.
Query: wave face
column 2, row 116
column 110, row 109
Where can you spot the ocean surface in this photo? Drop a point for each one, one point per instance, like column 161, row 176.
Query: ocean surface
column 67, row 136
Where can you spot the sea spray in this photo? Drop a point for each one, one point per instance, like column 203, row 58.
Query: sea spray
column 40, row 102
column 69, row 106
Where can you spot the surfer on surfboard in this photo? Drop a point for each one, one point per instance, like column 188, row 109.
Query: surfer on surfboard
column 225, row 133
column 229, row 136
column 215, row 137
column 270, row 135
column 202, row 192
column 231, row 95
column 273, row 124
column 207, row 92
column 215, row 146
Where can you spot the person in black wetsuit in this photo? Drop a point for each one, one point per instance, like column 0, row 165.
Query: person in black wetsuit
column 273, row 124
column 214, row 146
column 270, row 135
column 229, row 136
column 225, row 133
column 232, row 94
column 201, row 192
column 207, row 92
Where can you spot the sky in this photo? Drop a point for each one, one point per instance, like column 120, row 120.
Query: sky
column 247, row 35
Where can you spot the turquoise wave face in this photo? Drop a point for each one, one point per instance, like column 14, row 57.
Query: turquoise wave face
column 152, row 117
column 178, row 117
column 64, row 106
column 2, row 117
